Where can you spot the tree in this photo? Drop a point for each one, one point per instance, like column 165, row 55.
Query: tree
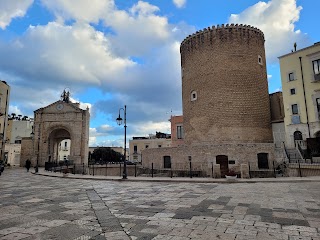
column 103, row 155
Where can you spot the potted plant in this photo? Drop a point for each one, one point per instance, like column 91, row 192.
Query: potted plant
column 231, row 175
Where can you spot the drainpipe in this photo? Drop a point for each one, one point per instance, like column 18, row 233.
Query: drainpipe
column 304, row 95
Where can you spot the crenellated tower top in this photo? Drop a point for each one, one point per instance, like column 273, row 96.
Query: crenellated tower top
column 225, row 31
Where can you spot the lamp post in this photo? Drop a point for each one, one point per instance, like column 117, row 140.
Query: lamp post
column 36, row 169
column 119, row 121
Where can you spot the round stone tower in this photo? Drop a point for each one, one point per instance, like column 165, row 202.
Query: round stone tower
column 224, row 86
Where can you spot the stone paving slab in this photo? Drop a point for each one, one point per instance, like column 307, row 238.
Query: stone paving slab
column 33, row 206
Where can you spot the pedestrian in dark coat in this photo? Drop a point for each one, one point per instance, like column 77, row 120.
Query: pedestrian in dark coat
column 28, row 164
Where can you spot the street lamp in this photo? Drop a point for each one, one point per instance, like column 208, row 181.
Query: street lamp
column 119, row 121
column 36, row 169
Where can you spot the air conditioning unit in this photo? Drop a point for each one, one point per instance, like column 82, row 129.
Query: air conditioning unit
column 317, row 77
column 295, row 119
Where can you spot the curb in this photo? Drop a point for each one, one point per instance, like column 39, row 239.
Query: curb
column 179, row 180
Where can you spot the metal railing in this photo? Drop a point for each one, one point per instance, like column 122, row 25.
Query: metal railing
column 301, row 152
column 286, row 155
column 204, row 170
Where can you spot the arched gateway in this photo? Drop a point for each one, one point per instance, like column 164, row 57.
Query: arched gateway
column 61, row 120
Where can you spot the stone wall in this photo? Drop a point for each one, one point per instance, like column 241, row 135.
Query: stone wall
column 203, row 157
column 276, row 107
column 27, row 152
column 224, row 86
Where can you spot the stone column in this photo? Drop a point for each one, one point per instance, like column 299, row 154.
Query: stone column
column 216, row 171
column 244, row 168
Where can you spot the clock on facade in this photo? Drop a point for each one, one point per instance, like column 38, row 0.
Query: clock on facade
column 59, row 106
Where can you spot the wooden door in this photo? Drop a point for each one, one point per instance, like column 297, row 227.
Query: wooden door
column 223, row 161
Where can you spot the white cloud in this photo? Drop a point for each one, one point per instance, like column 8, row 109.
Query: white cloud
column 15, row 109
column 10, row 9
column 140, row 24
column 79, row 56
column 147, row 128
column 82, row 10
column 276, row 19
column 180, row 3
column 70, row 54
column 144, row 9
column 82, row 105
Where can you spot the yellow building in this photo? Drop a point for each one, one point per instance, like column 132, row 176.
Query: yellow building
column 4, row 107
column 300, row 76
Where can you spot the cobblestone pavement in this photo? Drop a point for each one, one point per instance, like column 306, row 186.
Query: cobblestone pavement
column 40, row 207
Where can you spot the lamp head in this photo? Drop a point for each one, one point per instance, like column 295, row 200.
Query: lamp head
column 119, row 120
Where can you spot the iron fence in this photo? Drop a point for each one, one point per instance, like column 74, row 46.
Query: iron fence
column 204, row 170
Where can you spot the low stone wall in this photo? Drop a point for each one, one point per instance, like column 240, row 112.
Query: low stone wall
column 203, row 158
column 112, row 170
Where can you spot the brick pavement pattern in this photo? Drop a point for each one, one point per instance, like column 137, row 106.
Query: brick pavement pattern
column 40, row 207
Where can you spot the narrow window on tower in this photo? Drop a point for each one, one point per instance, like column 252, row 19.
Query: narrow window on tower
column 260, row 60
column 194, row 96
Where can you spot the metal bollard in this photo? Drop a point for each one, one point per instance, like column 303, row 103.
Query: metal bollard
column 135, row 170
column 152, row 170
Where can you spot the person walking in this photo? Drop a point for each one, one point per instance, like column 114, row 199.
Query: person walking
column 28, row 164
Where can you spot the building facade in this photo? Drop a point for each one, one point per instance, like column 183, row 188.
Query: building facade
column 17, row 128
column 277, row 119
column 138, row 144
column 4, row 107
column 177, row 134
column 64, row 150
column 12, row 154
column 300, row 77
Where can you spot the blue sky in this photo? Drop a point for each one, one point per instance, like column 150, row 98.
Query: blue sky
column 111, row 53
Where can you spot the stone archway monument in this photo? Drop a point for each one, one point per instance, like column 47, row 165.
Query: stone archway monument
column 56, row 122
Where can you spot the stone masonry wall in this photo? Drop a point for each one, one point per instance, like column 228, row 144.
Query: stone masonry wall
column 225, row 68
column 203, row 157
